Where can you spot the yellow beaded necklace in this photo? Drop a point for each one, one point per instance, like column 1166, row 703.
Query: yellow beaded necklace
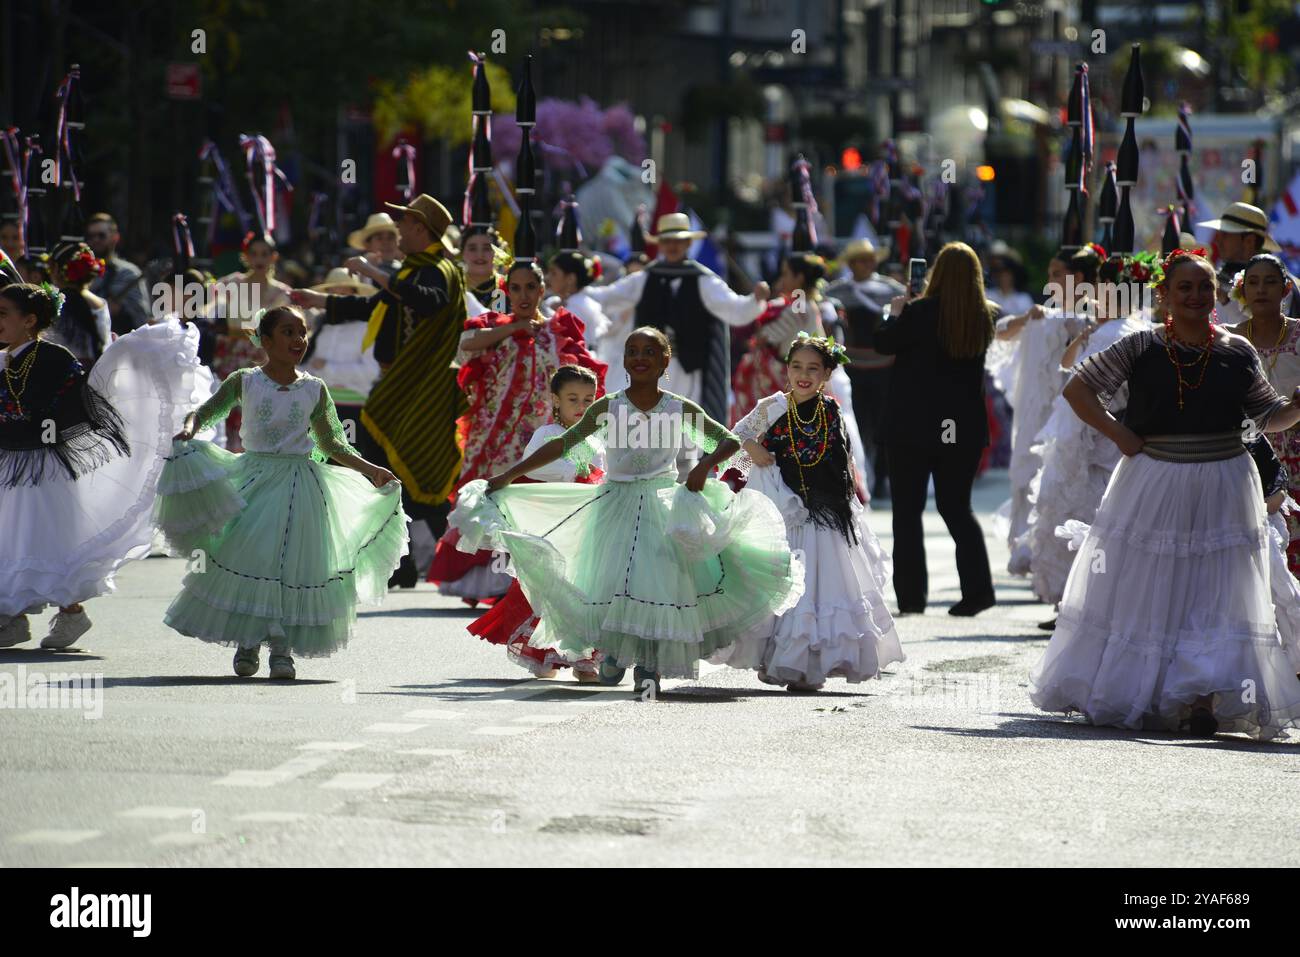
column 20, row 374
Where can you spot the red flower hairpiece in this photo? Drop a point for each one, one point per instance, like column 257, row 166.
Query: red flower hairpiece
column 1197, row 252
column 597, row 268
column 1096, row 247
column 82, row 266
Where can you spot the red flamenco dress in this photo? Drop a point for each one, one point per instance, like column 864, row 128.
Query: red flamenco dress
column 509, row 392
column 511, row 621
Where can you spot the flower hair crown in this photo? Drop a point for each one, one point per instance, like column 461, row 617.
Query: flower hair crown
column 826, row 344
column 1144, row 267
column 1096, row 249
column 1197, row 252
column 253, row 325
column 56, row 296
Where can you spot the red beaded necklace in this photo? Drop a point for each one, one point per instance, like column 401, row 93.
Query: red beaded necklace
column 1204, row 360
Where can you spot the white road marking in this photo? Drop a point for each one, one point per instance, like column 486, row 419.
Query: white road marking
column 271, row 817
column 356, row 781
column 331, row 745
column 65, row 837
column 434, row 752
column 151, row 813
column 293, row 768
column 393, row 727
column 501, row 730
column 179, row 839
column 540, row 719
column 434, row 714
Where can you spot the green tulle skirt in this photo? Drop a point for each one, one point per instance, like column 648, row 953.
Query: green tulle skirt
column 279, row 546
column 645, row 572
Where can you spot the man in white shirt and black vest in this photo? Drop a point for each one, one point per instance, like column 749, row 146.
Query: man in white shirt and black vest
column 694, row 306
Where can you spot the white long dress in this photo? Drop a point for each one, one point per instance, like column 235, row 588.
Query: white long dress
column 841, row 626
column 1077, row 462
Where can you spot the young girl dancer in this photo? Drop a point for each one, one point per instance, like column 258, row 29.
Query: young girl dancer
column 840, row 627
column 79, row 458
column 287, row 545
column 636, row 568
column 511, row 621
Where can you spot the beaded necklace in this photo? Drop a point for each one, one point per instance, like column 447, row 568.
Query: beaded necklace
column 1204, row 360
column 23, row 371
column 1276, row 354
column 816, row 429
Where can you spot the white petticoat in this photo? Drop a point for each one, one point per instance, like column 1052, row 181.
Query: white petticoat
column 65, row 539
column 841, row 626
column 1285, row 590
column 1169, row 600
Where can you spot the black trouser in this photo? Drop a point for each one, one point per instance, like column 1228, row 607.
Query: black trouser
column 870, row 389
column 953, row 468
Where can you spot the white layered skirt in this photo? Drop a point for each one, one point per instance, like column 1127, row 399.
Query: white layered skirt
column 63, row 539
column 1169, row 599
column 841, row 626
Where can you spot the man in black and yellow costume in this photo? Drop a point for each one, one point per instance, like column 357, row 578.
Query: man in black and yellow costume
column 415, row 322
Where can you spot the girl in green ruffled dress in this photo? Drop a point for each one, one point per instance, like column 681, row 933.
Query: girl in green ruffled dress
column 649, row 573
column 282, row 546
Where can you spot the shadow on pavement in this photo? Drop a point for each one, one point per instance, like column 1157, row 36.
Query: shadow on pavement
column 21, row 656
column 464, row 611
column 180, row 681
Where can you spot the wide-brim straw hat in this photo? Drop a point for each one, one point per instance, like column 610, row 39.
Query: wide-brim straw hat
column 676, row 226
column 376, row 223
column 862, row 247
column 1243, row 218
column 433, row 214
column 340, row 277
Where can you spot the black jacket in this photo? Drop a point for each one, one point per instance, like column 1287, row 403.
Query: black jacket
column 934, row 400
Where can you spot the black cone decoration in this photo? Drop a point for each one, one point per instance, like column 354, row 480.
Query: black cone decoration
column 480, row 209
column 526, row 100
column 1169, row 241
column 481, row 94
column 636, row 234
column 1133, row 98
column 569, row 235
column 1107, row 203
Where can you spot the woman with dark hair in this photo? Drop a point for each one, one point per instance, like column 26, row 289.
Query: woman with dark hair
column 1260, row 289
column 937, row 423
column 506, row 365
column 1167, row 618
column 84, row 326
column 483, row 259
column 1077, row 461
column 80, row 457
column 567, row 278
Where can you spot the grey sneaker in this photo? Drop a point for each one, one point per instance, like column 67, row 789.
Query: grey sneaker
column 282, row 668
column 642, row 676
column 14, row 631
column 247, row 662
column 65, row 629
column 610, row 672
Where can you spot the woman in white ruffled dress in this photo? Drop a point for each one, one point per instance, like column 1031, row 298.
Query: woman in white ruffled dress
column 1025, row 362
column 841, row 626
column 80, row 457
column 1077, row 460
column 1167, row 618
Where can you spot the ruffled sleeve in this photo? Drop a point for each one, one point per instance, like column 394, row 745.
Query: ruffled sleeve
column 1108, row 370
column 571, row 346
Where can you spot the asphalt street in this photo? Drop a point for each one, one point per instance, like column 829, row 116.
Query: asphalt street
column 421, row 745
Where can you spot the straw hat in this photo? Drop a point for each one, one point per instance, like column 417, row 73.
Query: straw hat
column 859, row 248
column 676, row 226
column 338, row 276
column 433, row 214
column 376, row 223
column 1243, row 218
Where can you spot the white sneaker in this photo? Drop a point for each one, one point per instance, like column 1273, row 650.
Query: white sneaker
column 15, row 631
column 65, row 629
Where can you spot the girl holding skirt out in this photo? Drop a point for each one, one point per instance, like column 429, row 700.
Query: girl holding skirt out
column 1167, row 617
column 797, row 443
column 79, row 458
column 282, row 545
column 648, row 573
